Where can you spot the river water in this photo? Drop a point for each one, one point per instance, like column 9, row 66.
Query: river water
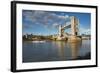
column 55, row 51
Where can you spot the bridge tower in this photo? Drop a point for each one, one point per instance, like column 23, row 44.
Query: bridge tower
column 61, row 31
column 74, row 26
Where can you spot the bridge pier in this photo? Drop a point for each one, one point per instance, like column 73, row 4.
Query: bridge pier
column 74, row 39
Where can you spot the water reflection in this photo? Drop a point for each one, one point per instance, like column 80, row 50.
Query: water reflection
column 75, row 46
column 61, row 49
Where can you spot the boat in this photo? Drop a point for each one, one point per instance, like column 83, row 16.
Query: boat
column 38, row 41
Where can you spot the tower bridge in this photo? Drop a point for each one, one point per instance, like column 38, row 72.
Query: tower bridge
column 73, row 25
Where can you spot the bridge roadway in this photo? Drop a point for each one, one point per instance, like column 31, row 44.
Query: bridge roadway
column 66, row 26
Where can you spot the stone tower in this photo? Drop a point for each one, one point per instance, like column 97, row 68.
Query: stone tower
column 74, row 29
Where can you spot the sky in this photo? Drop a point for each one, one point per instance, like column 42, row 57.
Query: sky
column 46, row 22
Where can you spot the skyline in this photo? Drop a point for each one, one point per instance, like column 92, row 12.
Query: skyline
column 46, row 22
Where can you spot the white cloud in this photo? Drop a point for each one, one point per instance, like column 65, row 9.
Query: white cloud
column 55, row 24
column 84, row 31
column 44, row 18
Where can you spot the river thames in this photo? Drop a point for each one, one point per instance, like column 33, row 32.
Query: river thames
column 44, row 51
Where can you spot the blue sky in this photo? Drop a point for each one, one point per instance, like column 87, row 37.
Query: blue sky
column 46, row 22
